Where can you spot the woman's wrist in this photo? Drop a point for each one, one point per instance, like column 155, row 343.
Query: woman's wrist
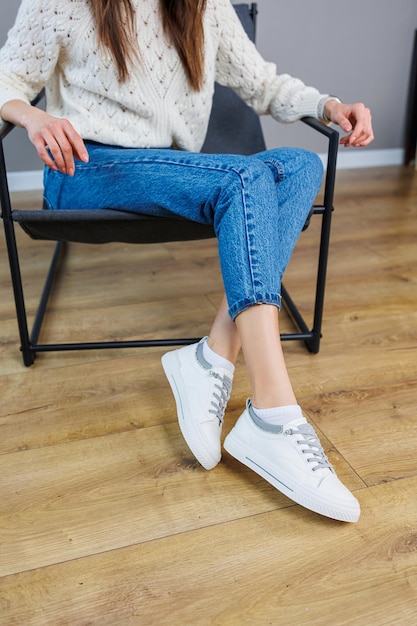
column 17, row 112
column 324, row 107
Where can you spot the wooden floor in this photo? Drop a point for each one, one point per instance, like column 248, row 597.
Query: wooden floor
column 106, row 519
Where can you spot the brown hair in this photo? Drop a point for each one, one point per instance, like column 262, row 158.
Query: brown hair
column 182, row 21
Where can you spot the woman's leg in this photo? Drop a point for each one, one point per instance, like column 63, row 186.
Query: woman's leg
column 268, row 376
column 297, row 175
column 224, row 337
column 272, row 437
column 258, row 329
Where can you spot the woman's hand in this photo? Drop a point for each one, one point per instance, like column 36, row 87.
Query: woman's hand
column 354, row 119
column 56, row 141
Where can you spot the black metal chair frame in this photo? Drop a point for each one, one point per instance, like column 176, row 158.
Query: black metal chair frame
column 40, row 219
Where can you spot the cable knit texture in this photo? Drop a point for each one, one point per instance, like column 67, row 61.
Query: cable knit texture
column 53, row 44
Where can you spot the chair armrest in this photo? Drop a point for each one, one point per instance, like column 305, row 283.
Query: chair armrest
column 5, row 128
column 329, row 132
column 324, row 129
column 333, row 139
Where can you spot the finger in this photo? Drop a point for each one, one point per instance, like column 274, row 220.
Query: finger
column 63, row 144
column 45, row 155
column 67, row 153
column 344, row 122
column 354, row 140
column 77, row 144
column 362, row 132
column 358, row 140
column 60, row 150
column 68, row 143
column 71, row 145
column 367, row 141
column 361, row 136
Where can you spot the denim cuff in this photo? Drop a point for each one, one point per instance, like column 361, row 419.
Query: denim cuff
column 245, row 303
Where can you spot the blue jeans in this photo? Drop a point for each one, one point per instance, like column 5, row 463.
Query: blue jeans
column 257, row 204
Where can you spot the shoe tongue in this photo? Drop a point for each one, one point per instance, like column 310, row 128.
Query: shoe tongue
column 299, row 421
column 223, row 373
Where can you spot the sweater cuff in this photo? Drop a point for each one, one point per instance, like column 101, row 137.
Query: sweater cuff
column 320, row 107
column 305, row 106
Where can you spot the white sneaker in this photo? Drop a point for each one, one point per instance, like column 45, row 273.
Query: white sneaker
column 292, row 459
column 201, row 393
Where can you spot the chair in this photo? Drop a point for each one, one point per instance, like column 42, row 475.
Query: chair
column 233, row 128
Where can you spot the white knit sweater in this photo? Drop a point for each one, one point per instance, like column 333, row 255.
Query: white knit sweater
column 54, row 44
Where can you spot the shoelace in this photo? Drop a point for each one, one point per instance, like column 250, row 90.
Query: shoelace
column 220, row 398
column 312, row 447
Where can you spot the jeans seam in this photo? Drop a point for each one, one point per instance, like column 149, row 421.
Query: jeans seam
column 278, row 166
column 248, row 246
column 163, row 161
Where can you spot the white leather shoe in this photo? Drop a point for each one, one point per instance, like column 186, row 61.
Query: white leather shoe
column 201, row 393
column 292, row 459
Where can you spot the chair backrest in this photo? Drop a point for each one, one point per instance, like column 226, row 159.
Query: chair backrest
column 234, row 127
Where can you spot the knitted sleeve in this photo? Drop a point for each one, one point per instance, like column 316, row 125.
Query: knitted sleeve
column 29, row 56
column 240, row 66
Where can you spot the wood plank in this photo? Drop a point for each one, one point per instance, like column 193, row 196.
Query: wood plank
column 375, row 438
column 282, row 567
column 89, row 400
column 63, row 501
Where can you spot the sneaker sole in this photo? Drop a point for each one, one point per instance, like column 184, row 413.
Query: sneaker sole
column 296, row 493
column 192, row 436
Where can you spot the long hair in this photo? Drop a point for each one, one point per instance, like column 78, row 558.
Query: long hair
column 182, row 21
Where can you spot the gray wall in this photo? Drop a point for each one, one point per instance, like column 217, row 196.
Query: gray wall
column 358, row 50
column 21, row 155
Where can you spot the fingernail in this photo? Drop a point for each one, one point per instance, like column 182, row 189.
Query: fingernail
column 71, row 171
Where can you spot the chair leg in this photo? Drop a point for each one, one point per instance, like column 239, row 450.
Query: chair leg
column 40, row 314
column 313, row 344
column 312, row 337
column 25, row 344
